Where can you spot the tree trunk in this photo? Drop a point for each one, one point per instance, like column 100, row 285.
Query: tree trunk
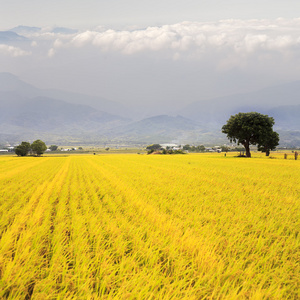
column 267, row 152
column 247, row 148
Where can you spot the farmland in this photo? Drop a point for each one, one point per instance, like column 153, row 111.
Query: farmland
column 197, row 226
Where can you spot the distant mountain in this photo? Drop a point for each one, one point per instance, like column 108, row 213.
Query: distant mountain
column 64, row 30
column 161, row 129
column 10, row 82
column 98, row 103
column 27, row 112
column 48, row 115
column 25, row 29
column 217, row 111
column 286, row 117
column 11, row 103
column 10, row 36
column 289, row 138
column 29, row 30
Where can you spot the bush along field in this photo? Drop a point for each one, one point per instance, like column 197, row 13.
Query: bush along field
column 200, row 226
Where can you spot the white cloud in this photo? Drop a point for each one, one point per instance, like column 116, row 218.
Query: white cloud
column 51, row 52
column 13, row 51
column 34, row 44
column 192, row 39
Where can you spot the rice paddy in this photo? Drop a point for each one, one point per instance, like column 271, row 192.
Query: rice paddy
column 196, row 226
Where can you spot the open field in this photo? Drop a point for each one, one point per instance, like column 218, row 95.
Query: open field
column 197, row 226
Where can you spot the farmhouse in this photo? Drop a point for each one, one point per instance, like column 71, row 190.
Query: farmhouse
column 170, row 146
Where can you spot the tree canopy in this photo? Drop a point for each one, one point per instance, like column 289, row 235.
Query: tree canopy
column 22, row 149
column 199, row 148
column 38, row 147
column 252, row 128
column 153, row 147
column 53, row 147
column 269, row 143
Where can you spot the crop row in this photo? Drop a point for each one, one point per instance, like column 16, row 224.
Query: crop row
column 149, row 227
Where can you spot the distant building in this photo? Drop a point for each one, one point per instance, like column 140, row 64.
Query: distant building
column 171, row 146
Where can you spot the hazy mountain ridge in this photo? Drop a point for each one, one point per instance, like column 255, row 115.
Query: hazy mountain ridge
column 29, row 30
column 46, row 114
column 10, row 36
column 27, row 112
column 11, row 83
column 160, row 129
column 23, row 29
column 218, row 110
column 286, row 117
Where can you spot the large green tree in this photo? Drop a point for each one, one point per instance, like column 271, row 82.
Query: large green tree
column 38, row 147
column 250, row 128
column 22, row 149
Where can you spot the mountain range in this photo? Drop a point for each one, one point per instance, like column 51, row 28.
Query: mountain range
column 57, row 116
column 281, row 102
column 11, row 36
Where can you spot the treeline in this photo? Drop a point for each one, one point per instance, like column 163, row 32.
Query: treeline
column 37, row 148
column 192, row 148
column 165, row 151
column 158, row 149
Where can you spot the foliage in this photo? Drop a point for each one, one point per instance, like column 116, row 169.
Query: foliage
column 166, row 151
column 38, row 147
column 22, row 149
column 238, row 149
column 150, row 151
column 53, row 147
column 154, row 147
column 225, row 148
column 249, row 129
column 149, row 227
column 178, row 151
column 199, row 148
column 269, row 143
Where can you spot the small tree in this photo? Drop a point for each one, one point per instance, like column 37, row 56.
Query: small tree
column 269, row 143
column 186, row 147
column 200, row 148
column 249, row 129
column 225, row 148
column 154, row 147
column 22, row 149
column 53, row 147
column 38, row 147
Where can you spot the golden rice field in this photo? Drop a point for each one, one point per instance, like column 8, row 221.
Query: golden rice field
column 196, row 226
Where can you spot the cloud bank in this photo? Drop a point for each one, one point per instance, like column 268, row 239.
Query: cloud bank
column 194, row 40
column 160, row 65
column 13, row 51
column 185, row 40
